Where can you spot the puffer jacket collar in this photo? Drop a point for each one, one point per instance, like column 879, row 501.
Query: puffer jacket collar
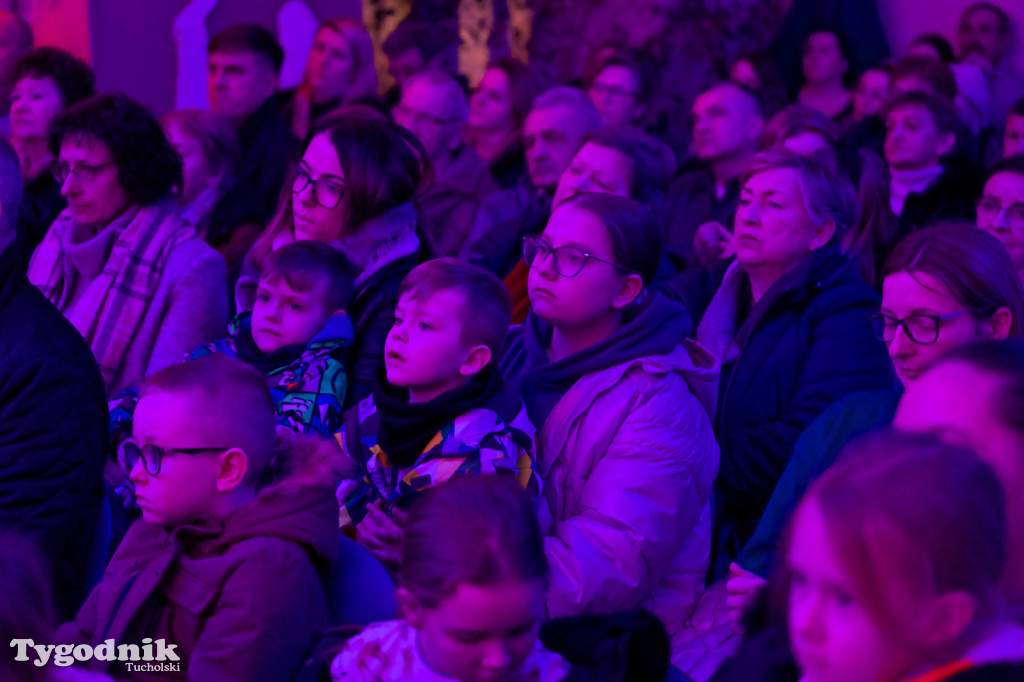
column 820, row 270
column 702, row 382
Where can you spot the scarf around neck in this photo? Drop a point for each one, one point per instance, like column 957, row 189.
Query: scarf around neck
column 406, row 429
column 113, row 305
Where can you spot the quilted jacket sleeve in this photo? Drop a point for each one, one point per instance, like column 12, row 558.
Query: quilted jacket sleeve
column 643, row 497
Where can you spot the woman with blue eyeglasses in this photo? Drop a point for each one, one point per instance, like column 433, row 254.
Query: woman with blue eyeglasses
column 944, row 287
column 624, row 437
column 354, row 189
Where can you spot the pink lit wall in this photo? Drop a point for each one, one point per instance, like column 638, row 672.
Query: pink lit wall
column 131, row 47
column 904, row 20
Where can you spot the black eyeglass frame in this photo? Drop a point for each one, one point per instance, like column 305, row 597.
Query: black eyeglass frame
column 879, row 319
column 1010, row 220
column 62, row 171
column 307, row 180
column 553, row 252
column 151, row 462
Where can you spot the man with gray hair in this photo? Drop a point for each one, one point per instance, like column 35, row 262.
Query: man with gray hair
column 53, row 415
column 552, row 133
column 435, row 109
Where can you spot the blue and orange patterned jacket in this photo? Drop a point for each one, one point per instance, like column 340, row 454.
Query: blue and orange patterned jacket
column 477, row 442
column 308, row 390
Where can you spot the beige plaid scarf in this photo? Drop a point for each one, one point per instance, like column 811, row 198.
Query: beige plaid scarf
column 112, row 307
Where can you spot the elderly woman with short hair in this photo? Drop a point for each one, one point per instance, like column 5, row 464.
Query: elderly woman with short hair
column 134, row 279
column 790, row 324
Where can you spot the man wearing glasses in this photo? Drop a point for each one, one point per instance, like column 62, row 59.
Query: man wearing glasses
column 435, row 109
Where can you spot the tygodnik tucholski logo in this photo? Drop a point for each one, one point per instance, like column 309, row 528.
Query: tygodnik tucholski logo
column 134, row 657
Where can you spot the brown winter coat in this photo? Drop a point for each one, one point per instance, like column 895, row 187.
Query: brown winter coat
column 242, row 597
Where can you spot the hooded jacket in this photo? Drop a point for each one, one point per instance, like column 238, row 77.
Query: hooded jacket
column 241, row 597
column 627, row 455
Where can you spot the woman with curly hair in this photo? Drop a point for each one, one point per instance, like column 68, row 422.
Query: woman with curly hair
column 134, row 279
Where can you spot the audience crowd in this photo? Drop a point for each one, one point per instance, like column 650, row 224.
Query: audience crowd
column 691, row 350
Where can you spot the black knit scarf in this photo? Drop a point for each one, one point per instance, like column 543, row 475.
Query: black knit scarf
column 406, row 428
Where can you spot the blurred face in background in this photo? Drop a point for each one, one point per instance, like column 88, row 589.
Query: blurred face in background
column 405, row 65
column 238, row 83
column 490, row 107
column 428, row 112
column 1000, row 212
column 823, row 58
column 651, row 23
column 196, row 171
column 743, row 72
column 34, row 103
column 1013, row 137
column 616, row 94
column 981, row 35
column 871, row 93
column 913, row 140
column 596, row 168
column 551, row 137
column 331, row 65
column 14, row 42
column 725, row 124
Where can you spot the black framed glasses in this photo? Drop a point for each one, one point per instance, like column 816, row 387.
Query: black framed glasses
column 569, row 260
column 919, row 328
column 988, row 209
column 614, row 91
column 404, row 116
column 152, row 455
column 84, row 171
column 327, row 192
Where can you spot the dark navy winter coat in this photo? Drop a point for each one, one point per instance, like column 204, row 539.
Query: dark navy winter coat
column 53, row 414
column 807, row 343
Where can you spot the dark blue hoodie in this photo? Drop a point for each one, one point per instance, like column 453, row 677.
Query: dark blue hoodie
column 655, row 327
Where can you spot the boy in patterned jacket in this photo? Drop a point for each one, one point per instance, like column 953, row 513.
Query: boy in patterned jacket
column 297, row 335
column 439, row 409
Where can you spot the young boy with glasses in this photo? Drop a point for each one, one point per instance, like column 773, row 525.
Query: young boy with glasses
column 226, row 563
column 439, row 408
